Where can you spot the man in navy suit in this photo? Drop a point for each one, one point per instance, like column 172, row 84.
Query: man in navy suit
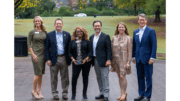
column 57, row 58
column 144, row 55
column 101, row 45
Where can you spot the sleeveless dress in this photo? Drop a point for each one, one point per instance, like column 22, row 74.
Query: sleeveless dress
column 36, row 41
column 121, row 54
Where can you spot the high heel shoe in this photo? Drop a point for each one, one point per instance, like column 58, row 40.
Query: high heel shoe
column 35, row 96
column 119, row 97
column 41, row 96
column 123, row 99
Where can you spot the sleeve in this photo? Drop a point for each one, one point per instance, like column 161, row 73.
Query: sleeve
column 129, row 49
column 134, row 46
column 153, row 43
column 69, row 49
column 30, row 39
column 47, row 48
column 89, row 49
column 108, row 47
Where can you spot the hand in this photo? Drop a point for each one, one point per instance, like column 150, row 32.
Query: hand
column 134, row 61
column 108, row 63
column 35, row 58
column 49, row 63
column 128, row 65
column 84, row 61
column 151, row 61
column 75, row 62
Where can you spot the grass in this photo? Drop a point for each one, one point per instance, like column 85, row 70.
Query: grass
column 22, row 27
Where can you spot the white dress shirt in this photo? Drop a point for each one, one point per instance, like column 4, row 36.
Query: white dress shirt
column 95, row 40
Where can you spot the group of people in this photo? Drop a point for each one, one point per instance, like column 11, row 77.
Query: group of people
column 59, row 49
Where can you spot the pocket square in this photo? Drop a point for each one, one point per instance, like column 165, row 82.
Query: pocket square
column 137, row 33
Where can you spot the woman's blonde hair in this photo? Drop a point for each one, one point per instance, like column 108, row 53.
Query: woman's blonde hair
column 42, row 25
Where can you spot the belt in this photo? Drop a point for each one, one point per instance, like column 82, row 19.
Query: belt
column 60, row 55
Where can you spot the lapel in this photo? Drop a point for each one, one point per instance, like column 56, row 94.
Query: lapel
column 64, row 38
column 54, row 38
column 100, row 38
column 137, row 36
column 92, row 38
column 144, row 34
column 82, row 42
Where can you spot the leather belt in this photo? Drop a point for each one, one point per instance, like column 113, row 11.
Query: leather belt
column 60, row 55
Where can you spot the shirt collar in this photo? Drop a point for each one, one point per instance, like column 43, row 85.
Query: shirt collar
column 98, row 35
column 57, row 32
column 143, row 28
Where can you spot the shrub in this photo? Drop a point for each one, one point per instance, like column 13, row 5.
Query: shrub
column 108, row 12
column 65, row 11
column 88, row 11
column 45, row 14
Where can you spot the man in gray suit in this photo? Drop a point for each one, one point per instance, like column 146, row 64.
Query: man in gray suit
column 101, row 45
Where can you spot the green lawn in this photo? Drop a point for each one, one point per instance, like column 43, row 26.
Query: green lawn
column 22, row 27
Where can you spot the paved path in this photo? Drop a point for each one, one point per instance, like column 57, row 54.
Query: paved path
column 24, row 80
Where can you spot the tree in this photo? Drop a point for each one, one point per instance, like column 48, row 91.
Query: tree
column 155, row 7
column 130, row 3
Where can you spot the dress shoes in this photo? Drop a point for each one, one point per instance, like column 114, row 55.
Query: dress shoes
column 139, row 98
column 84, row 96
column 145, row 99
column 73, row 97
column 56, row 97
column 99, row 97
column 64, row 97
column 106, row 99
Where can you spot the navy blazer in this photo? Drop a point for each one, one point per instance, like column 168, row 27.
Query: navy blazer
column 86, row 49
column 146, row 49
column 103, row 49
column 51, row 47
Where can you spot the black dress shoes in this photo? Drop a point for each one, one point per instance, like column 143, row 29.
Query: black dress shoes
column 99, row 97
column 64, row 97
column 106, row 99
column 145, row 99
column 139, row 98
column 73, row 97
column 56, row 97
column 84, row 96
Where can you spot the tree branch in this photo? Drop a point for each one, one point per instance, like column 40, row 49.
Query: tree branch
column 16, row 6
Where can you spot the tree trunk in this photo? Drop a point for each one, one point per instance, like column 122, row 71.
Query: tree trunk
column 135, row 10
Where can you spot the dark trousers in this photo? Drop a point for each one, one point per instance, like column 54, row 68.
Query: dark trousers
column 144, row 73
column 76, row 69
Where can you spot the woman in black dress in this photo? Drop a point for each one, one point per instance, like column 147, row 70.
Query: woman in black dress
column 80, row 47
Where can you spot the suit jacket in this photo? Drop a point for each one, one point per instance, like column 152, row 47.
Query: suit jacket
column 103, row 49
column 146, row 49
column 51, row 47
column 86, row 49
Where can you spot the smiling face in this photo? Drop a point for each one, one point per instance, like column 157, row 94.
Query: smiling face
column 58, row 25
column 121, row 28
column 79, row 33
column 97, row 27
column 142, row 21
column 37, row 22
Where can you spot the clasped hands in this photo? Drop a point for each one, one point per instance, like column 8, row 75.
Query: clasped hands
column 151, row 61
column 83, row 61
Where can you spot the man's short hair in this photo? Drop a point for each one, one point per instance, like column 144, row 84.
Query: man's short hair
column 142, row 15
column 97, row 21
column 58, row 19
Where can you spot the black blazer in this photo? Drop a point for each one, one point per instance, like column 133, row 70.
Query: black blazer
column 51, row 47
column 86, row 49
column 103, row 49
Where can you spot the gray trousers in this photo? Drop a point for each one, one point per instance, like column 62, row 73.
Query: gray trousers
column 102, row 74
column 63, row 68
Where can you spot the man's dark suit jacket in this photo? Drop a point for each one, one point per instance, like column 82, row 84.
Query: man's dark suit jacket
column 51, row 47
column 146, row 49
column 86, row 49
column 103, row 49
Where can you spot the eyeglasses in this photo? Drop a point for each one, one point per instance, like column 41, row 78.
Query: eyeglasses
column 79, row 31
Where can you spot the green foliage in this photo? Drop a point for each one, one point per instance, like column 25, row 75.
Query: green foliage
column 108, row 12
column 28, row 13
column 65, row 11
column 45, row 14
column 45, row 5
column 88, row 11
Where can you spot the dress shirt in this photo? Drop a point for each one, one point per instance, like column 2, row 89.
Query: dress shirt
column 141, row 32
column 59, row 40
column 95, row 40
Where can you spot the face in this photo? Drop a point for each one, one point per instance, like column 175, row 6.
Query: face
column 79, row 33
column 37, row 22
column 121, row 28
column 58, row 25
column 142, row 21
column 97, row 27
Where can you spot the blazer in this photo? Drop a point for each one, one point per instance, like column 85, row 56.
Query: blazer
column 103, row 49
column 86, row 49
column 51, row 47
column 146, row 49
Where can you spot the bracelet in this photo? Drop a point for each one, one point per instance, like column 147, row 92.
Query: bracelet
column 86, row 59
column 73, row 60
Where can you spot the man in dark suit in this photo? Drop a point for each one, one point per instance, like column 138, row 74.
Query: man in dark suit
column 57, row 58
column 144, row 54
column 101, row 44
